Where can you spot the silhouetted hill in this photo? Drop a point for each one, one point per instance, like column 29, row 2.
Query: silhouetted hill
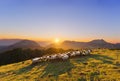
column 2, row 47
column 25, row 44
column 7, row 42
column 99, row 43
column 117, row 45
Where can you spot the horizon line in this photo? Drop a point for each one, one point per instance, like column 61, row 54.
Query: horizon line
column 48, row 40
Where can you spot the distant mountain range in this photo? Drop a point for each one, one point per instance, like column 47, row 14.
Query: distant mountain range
column 99, row 43
column 10, row 44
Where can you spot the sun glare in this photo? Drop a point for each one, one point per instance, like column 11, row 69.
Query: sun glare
column 57, row 40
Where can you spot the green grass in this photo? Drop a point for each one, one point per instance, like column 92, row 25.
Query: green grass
column 102, row 65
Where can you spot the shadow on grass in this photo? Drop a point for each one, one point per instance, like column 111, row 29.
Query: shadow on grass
column 82, row 59
column 28, row 68
column 103, row 58
column 52, row 69
column 57, row 68
column 93, row 75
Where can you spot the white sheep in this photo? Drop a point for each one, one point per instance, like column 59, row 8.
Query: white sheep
column 35, row 60
column 53, row 57
column 73, row 54
column 83, row 52
column 77, row 52
column 65, row 57
column 89, row 51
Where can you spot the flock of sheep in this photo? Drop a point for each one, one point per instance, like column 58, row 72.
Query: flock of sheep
column 61, row 56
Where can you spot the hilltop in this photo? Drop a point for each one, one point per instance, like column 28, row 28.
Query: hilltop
column 102, row 65
column 8, row 42
column 24, row 44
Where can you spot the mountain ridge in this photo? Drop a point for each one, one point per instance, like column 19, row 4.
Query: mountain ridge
column 67, row 44
column 97, row 43
column 24, row 44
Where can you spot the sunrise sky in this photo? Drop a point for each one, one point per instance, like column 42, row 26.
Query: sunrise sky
column 80, row 20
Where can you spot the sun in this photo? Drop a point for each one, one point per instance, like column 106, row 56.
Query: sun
column 57, row 40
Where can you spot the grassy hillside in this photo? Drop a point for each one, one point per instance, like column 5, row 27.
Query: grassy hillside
column 102, row 65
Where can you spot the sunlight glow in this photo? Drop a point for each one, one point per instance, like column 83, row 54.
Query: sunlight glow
column 57, row 40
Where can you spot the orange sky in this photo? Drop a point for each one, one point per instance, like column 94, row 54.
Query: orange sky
column 52, row 39
column 76, row 20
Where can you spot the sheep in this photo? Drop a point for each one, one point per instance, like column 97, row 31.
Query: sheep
column 89, row 51
column 86, row 52
column 83, row 52
column 35, row 60
column 43, row 58
column 48, row 58
column 59, row 56
column 73, row 54
column 65, row 57
column 69, row 54
column 53, row 57
column 77, row 53
column 40, row 59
